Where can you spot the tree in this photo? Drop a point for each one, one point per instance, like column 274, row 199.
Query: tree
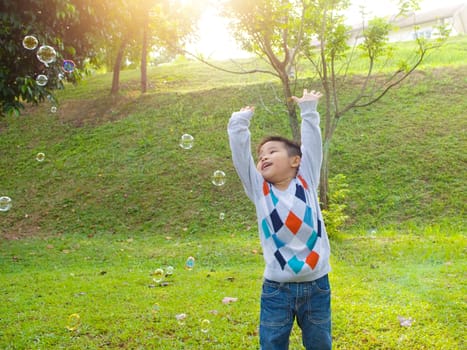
column 273, row 30
column 68, row 26
column 332, row 57
column 283, row 31
column 144, row 24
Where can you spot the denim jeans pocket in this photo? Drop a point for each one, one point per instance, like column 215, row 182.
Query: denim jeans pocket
column 275, row 306
column 322, row 284
column 319, row 303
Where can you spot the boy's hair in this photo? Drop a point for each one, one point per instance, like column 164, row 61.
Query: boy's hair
column 293, row 147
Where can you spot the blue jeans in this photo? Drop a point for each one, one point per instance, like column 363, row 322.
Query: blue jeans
column 308, row 302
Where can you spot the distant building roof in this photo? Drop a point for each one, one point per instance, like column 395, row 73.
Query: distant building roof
column 420, row 17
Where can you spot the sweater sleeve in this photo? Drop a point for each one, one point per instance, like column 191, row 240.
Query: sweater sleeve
column 240, row 145
column 312, row 149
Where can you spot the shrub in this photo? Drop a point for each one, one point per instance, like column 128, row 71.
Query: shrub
column 335, row 217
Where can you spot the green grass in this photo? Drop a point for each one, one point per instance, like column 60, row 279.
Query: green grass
column 116, row 198
column 106, row 279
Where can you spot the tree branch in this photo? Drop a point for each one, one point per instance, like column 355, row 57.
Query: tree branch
column 390, row 86
column 212, row 65
column 361, row 93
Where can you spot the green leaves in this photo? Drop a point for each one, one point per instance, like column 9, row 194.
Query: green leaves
column 53, row 23
column 375, row 37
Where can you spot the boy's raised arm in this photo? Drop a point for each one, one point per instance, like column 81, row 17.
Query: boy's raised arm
column 312, row 149
column 240, row 145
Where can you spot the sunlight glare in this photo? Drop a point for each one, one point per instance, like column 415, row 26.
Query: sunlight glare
column 215, row 40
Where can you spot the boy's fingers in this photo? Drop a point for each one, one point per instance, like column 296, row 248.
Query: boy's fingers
column 305, row 92
column 247, row 108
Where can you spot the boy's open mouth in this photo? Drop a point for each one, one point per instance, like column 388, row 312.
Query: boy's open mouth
column 265, row 165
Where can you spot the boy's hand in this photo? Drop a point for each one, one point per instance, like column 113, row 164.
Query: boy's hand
column 308, row 96
column 244, row 113
column 248, row 108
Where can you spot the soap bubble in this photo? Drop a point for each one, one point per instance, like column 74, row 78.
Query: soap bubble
column 222, row 216
column 218, row 178
column 169, row 270
column 205, row 325
column 60, row 76
column 190, row 263
column 5, row 203
column 40, row 157
column 42, row 80
column 30, row 42
column 158, row 275
column 53, row 109
column 186, row 141
column 73, row 322
column 46, row 54
column 181, row 319
column 68, row 66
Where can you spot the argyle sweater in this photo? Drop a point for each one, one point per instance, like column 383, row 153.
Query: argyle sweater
column 291, row 229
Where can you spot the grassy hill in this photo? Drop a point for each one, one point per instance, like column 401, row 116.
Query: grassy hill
column 114, row 163
column 117, row 198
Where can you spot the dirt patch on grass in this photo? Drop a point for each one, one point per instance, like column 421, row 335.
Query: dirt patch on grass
column 29, row 226
column 94, row 112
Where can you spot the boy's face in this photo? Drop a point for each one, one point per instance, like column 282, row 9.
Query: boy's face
column 275, row 164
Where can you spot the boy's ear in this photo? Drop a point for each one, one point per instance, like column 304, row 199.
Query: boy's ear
column 295, row 161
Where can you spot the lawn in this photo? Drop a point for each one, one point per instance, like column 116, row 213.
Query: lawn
column 117, row 198
column 108, row 281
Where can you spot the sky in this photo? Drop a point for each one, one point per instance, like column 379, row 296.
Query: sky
column 216, row 43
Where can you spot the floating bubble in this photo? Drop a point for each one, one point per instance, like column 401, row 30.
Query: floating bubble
column 190, row 263
column 60, row 76
column 46, row 54
column 218, row 178
column 181, row 319
column 222, row 216
column 42, row 80
column 53, row 109
column 40, row 157
column 68, row 66
column 158, row 275
column 169, row 270
column 30, row 42
column 5, row 203
column 205, row 325
column 186, row 141
column 73, row 322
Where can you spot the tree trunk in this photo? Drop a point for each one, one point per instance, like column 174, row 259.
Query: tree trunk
column 116, row 70
column 324, row 178
column 293, row 120
column 144, row 56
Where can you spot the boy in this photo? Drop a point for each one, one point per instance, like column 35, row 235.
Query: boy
column 283, row 186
